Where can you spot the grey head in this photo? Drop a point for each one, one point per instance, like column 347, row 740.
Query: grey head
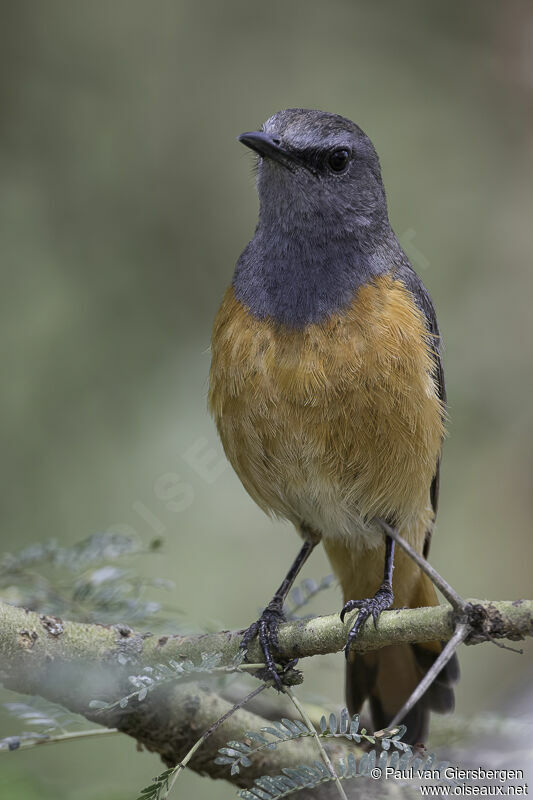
column 323, row 228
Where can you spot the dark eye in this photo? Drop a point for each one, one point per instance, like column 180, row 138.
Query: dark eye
column 338, row 160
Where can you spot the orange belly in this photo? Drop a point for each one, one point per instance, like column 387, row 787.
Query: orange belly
column 334, row 424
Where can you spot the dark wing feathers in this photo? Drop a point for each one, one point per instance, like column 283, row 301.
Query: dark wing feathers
column 411, row 280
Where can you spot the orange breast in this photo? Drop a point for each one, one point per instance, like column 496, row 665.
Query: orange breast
column 336, row 423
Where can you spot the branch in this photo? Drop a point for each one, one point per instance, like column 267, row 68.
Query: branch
column 73, row 663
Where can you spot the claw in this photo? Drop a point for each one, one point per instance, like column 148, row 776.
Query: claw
column 250, row 634
column 266, row 630
column 382, row 600
column 350, row 606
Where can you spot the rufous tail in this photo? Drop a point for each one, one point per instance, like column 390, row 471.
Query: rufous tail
column 388, row 676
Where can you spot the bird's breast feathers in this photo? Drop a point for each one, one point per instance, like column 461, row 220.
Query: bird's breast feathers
column 335, row 423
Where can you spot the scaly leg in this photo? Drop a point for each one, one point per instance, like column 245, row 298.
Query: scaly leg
column 381, row 601
column 266, row 627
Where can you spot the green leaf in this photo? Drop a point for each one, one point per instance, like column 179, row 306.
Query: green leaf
column 256, row 737
column 241, row 746
column 282, row 729
column 266, row 782
column 257, row 792
column 291, row 726
column 344, row 721
column 275, row 732
column 300, row 725
column 229, row 751
column 296, row 775
column 341, row 768
column 400, row 733
column 321, row 768
column 210, row 660
column 352, row 765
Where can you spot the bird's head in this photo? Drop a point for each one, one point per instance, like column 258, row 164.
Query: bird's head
column 317, row 169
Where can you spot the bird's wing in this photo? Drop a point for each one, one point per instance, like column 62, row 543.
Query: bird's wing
column 411, row 280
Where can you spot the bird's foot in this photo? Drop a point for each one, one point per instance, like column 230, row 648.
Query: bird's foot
column 266, row 630
column 370, row 606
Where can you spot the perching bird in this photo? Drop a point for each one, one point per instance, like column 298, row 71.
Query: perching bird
column 327, row 389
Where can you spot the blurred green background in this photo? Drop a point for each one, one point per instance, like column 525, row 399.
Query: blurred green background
column 125, row 201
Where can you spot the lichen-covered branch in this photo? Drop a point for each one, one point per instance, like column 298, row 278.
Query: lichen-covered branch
column 73, row 663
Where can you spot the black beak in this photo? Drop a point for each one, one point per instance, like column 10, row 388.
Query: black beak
column 268, row 147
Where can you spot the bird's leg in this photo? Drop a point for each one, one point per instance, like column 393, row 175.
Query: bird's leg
column 382, row 600
column 266, row 627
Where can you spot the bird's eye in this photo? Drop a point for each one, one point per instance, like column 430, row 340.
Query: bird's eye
column 338, row 160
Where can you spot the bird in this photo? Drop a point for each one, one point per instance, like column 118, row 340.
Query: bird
column 327, row 389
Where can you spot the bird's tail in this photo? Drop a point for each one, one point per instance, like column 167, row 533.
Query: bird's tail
column 388, row 676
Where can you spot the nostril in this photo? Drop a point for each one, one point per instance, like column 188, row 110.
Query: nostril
column 276, row 140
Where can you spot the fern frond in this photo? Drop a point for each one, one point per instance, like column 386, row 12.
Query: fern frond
column 159, row 787
column 152, row 677
column 50, row 717
column 237, row 754
column 83, row 580
column 54, row 723
column 310, row 776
